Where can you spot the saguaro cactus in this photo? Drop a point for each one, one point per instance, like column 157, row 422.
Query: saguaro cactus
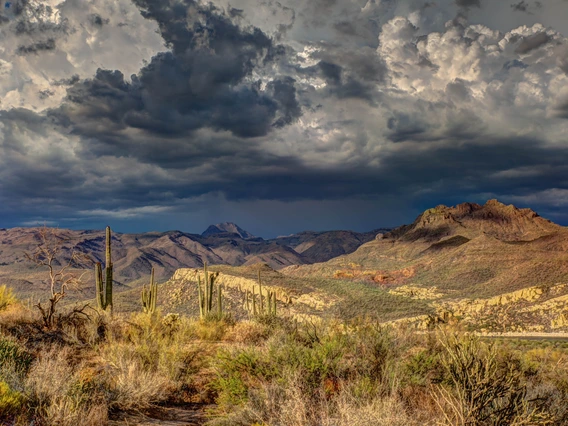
column 260, row 292
column 260, row 308
column 205, row 292
column 219, row 300
column 150, row 296
column 104, row 288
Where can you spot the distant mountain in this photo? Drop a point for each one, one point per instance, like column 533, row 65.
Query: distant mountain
column 134, row 255
column 468, row 250
column 322, row 246
column 227, row 228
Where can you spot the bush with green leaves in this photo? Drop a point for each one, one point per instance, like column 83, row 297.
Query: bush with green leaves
column 13, row 355
column 7, row 297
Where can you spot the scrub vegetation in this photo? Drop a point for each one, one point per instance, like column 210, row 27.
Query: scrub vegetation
column 97, row 369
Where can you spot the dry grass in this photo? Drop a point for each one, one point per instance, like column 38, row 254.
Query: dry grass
column 270, row 371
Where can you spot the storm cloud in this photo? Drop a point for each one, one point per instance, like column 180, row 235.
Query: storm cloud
column 147, row 109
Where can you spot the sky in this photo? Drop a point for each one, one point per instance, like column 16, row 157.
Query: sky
column 281, row 116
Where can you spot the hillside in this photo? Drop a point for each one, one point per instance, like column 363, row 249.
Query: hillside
column 135, row 254
column 467, row 250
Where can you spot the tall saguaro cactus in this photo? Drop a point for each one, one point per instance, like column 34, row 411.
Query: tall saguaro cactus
column 104, row 288
column 205, row 292
column 150, row 296
column 268, row 308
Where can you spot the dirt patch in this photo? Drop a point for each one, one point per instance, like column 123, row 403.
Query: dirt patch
column 382, row 277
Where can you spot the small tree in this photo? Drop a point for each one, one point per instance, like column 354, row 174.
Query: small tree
column 50, row 254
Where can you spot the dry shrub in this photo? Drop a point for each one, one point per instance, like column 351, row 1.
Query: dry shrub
column 151, row 359
column 250, row 332
column 17, row 318
column 386, row 411
column 286, row 405
column 63, row 412
column 210, row 330
column 56, row 396
column 135, row 387
column 485, row 388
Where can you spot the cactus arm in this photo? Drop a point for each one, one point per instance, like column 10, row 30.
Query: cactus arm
column 260, row 293
column 211, row 283
column 99, row 286
column 153, row 292
column 108, row 285
column 219, row 301
column 207, row 307
column 201, row 297
column 108, row 248
column 144, row 298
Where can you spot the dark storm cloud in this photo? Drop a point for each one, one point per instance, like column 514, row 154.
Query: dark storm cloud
column 201, row 83
column 284, row 92
column 561, row 110
column 389, row 111
column 44, row 94
column 526, row 7
column 348, row 73
column 522, row 6
column 97, row 20
column 439, row 171
column 67, row 81
column 33, row 19
column 35, row 48
column 468, row 3
column 532, row 42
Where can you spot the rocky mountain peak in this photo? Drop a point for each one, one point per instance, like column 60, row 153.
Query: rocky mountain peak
column 227, row 227
column 504, row 222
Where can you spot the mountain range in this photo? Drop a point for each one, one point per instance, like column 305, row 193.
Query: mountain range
column 134, row 255
column 466, row 252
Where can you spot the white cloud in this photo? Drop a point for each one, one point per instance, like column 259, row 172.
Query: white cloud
column 123, row 41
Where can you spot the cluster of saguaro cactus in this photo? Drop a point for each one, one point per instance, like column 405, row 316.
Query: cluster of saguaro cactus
column 205, row 292
column 150, row 296
column 104, row 288
column 261, row 308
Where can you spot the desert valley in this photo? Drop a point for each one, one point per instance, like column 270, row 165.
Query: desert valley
column 427, row 292
column 283, row 213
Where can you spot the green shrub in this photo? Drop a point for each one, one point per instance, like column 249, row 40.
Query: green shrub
column 421, row 367
column 12, row 353
column 11, row 401
column 7, row 297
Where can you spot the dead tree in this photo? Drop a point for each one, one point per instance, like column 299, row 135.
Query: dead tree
column 50, row 254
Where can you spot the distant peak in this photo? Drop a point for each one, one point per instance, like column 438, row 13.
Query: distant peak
column 227, row 228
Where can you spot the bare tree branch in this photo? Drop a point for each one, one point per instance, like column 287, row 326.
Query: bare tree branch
column 50, row 254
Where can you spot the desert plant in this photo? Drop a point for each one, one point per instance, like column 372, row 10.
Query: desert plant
column 205, row 292
column 104, row 288
column 485, row 390
column 11, row 352
column 150, row 295
column 262, row 308
column 7, row 297
column 10, row 400
column 49, row 254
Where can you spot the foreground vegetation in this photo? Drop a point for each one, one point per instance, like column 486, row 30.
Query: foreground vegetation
column 92, row 368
